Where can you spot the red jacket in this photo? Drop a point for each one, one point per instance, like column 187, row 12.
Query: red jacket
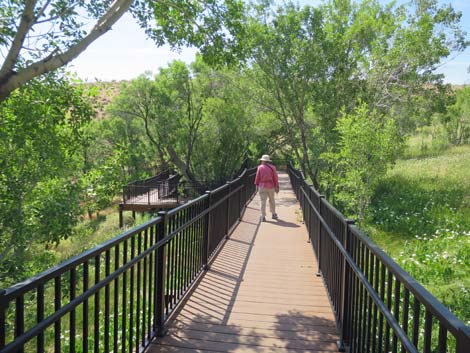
column 266, row 177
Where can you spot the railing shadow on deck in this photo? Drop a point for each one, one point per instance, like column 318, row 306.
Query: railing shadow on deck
column 294, row 329
column 378, row 306
column 119, row 295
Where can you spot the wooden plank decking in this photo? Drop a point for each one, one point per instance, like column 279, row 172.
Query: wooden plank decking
column 260, row 294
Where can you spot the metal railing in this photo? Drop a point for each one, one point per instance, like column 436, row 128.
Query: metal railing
column 151, row 181
column 118, row 296
column 378, row 306
column 152, row 192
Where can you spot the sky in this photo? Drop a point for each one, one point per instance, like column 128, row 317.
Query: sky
column 123, row 53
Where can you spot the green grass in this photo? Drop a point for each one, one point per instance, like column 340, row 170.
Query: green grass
column 91, row 233
column 420, row 215
column 87, row 234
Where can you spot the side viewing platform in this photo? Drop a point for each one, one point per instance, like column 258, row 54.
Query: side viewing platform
column 260, row 294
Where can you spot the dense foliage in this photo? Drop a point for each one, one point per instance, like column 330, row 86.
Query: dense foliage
column 39, row 156
column 337, row 87
column 40, row 36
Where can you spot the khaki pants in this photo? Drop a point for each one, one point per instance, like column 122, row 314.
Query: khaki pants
column 264, row 194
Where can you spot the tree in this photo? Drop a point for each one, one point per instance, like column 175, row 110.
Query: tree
column 289, row 64
column 369, row 142
column 39, row 159
column 194, row 117
column 41, row 36
column 312, row 65
column 457, row 120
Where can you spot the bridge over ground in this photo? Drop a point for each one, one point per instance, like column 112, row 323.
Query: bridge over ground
column 208, row 276
column 260, row 294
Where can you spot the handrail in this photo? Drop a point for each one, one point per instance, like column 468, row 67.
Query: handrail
column 378, row 306
column 119, row 295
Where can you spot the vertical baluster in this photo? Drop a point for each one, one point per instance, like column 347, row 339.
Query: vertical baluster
column 39, row 317
column 160, row 277
column 85, row 312
column 356, row 330
column 183, row 253
column 396, row 312
column 370, row 326
column 360, row 290
column 197, row 241
column 382, row 298
column 319, row 232
column 144, row 328
column 416, row 321
column 207, row 231
column 363, row 298
column 97, row 307
column 350, row 308
column 375, row 309
column 367, row 303
column 124, row 299
column 227, row 211
column 174, row 258
column 57, row 304
column 389, row 307
column 138, row 293
column 190, row 268
column 169, row 263
column 156, row 283
column 72, row 286
column 442, row 348
column 116, row 301
column 3, row 309
column 175, row 268
column 178, row 257
column 131, row 298
column 107, row 270
column 151, row 285
column 19, row 318
column 427, row 332
column 354, row 319
column 406, row 310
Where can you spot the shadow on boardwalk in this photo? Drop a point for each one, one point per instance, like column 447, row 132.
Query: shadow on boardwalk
column 260, row 294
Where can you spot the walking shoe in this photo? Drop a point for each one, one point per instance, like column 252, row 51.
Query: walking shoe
column 275, row 216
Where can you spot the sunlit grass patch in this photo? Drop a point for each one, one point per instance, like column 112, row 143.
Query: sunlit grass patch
column 420, row 215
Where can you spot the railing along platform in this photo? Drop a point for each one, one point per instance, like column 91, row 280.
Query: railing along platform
column 260, row 294
column 119, row 295
column 378, row 306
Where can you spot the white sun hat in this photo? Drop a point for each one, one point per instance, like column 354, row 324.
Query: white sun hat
column 265, row 158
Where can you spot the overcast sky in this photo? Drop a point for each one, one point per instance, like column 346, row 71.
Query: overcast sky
column 124, row 53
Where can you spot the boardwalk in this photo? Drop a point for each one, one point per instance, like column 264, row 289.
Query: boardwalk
column 261, row 293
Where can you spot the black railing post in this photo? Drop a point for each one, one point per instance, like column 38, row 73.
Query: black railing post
column 2, row 318
column 463, row 340
column 345, row 291
column 319, row 242
column 207, row 231
column 240, row 201
column 229, row 187
column 247, row 188
column 160, row 278
column 121, row 221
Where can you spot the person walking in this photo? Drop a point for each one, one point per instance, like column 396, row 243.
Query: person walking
column 267, row 184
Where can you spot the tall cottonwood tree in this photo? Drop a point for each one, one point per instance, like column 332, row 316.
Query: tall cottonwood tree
column 40, row 160
column 312, row 64
column 40, row 36
column 194, row 117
